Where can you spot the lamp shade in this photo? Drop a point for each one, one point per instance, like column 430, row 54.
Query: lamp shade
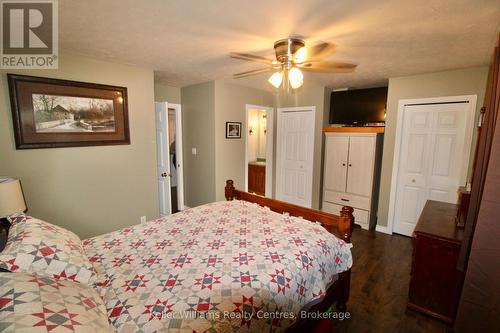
column 11, row 197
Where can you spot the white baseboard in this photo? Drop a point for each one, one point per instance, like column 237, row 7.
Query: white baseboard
column 383, row 229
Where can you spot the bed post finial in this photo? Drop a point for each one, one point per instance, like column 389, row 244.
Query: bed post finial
column 346, row 225
column 229, row 190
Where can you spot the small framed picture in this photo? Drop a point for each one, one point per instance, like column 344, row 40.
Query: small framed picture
column 233, row 130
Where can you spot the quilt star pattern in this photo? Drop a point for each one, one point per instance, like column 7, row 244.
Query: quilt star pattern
column 39, row 304
column 220, row 267
column 39, row 247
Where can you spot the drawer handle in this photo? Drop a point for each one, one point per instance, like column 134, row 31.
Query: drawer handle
column 346, row 200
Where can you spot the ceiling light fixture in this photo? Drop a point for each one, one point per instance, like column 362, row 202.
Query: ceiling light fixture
column 294, row 75
column 292, row 57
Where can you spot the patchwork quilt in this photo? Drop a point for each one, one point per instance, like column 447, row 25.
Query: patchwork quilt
column 222, row 267
column 32, row 303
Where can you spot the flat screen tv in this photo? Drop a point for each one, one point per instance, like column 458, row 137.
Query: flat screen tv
column 358, row 107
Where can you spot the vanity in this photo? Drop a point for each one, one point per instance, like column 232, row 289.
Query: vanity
column 257, row 177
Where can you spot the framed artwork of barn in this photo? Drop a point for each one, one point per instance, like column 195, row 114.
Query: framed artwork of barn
column 51, row 113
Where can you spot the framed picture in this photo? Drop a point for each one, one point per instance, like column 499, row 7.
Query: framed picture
column 51, row 113
column 233, row 130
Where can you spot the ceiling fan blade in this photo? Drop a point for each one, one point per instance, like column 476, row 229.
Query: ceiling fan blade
column 250, row 57
column 328, row 67
column 253, row 72
column 320, row 50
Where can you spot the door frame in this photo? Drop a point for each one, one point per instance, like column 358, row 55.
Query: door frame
column 471, row 99
column 269, row 146
column 179, row 154
column 280, row 111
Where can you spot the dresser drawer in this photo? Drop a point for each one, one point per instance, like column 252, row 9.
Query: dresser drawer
column 360, row 215
column 346, row 199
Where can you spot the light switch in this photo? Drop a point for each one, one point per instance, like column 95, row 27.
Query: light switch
column 193, row 151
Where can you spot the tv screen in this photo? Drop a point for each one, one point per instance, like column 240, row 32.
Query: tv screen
column 358, row 107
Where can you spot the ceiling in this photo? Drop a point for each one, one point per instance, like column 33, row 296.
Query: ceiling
column 188, row 41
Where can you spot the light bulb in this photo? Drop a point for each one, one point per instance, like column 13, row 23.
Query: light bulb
column 300, row 55
column 275, row 79
column 295, row 77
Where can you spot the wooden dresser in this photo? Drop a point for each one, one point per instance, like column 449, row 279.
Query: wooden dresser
column 436, row 283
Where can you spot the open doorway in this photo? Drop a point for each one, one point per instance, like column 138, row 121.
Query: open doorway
column 169, row 157
column 259, row 150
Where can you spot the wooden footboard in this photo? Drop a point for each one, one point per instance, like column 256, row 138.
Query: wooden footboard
column 341, row 225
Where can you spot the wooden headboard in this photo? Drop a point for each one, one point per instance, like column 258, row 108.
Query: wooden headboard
column 341, row 225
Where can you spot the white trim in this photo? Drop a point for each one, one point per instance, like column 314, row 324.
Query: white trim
column 269, row 146
column 178, row 156
column 472, row 99
column 383, row 229
column 278, row 162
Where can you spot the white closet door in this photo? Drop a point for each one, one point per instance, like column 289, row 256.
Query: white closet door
column 337, row 149
column 163, row 157
column 360, row 165
column 432, row 165
column 446, row 172
column 295, row 149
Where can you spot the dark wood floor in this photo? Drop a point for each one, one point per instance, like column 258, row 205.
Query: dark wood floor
column 379, row 287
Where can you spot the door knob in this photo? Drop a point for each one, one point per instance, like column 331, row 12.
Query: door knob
column 164, row 174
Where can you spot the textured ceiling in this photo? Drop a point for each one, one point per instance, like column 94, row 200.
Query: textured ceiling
column 188, row 41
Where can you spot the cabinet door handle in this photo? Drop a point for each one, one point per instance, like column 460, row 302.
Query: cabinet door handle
column 343, row 164
column 346, row 200
column 350, row 164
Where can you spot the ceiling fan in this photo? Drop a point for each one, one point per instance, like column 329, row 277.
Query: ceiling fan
column 292, row 56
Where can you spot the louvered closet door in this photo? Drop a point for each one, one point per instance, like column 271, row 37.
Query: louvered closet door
column 360, row 165
column 337, row 148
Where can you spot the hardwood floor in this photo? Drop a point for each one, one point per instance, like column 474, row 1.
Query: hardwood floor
column 379, row 287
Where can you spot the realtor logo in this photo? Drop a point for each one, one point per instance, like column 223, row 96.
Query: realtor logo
column 29, row 34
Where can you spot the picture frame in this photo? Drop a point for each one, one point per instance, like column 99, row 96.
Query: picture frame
column 233, row 130
column 53, row 113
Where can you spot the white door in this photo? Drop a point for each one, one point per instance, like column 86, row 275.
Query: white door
column 361, row 165
column 163, row 157
column 336, row 155
column 433, row 159
column 295, row 149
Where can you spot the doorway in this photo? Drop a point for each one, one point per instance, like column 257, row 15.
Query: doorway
column 431, row 157
column 259, row 150
column 294, row 155
column 169, row 157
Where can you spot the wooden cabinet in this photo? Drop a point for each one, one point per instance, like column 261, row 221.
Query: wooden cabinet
column 435, row 282
column 351, row 173
column 257, row 179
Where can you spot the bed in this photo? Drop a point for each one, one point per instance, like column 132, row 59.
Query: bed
column 248, row 264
